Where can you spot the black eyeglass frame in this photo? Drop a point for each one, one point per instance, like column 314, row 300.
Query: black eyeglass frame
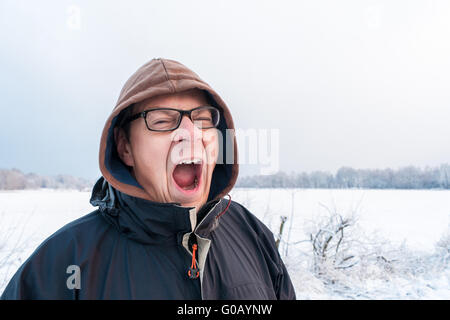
column 143, row 114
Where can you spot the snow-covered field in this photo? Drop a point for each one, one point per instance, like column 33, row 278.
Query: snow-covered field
column 399, row 240
column 395, row 245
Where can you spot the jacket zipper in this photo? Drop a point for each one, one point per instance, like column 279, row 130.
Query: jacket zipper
column 194, row 270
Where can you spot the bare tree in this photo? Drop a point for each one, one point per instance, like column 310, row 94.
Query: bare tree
column 280, row 233
column 445, row 176
column 291, row 222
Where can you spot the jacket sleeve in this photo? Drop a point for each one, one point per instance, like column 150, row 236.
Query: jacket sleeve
column 284, row 287
column 281, row 282
column 43, row 275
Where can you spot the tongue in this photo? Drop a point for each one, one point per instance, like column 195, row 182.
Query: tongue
column 184, row 175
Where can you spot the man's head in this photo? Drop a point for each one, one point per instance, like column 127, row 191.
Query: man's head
column 154, row 157
column 143, row 164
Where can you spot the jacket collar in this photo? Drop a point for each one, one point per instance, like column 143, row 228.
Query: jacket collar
column 151, row 222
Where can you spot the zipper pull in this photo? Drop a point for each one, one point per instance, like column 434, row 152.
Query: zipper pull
column 193, row 271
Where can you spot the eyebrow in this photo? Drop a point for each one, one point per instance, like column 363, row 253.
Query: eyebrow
column 176, row 107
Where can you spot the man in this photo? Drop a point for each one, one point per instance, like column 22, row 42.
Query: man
column 163, row 229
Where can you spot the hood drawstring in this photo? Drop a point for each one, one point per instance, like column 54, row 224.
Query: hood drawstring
column 228, row 205
column 193, row 272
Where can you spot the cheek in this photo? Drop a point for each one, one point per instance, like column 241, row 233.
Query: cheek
column 150, row 153
column 211, row 145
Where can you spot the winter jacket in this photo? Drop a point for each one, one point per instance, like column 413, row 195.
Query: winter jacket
column 133, row 248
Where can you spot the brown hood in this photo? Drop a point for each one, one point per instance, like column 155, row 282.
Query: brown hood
column 159, row 77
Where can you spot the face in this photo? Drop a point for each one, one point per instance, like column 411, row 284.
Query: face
column 156, row 157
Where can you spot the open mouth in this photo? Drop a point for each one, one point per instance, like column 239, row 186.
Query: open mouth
column 187, row 174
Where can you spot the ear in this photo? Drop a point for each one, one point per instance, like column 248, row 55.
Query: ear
column 123, row 147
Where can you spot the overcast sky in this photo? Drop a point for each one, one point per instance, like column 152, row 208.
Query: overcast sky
column 347, row 83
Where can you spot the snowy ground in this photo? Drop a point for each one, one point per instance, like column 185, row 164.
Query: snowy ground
column 398, row 241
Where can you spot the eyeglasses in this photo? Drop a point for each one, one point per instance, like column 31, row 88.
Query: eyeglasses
column 168, row 119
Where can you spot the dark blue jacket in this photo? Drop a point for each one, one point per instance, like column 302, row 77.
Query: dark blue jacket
column 132, row 248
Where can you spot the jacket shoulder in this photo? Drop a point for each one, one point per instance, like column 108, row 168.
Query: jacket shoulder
column 241, row 220
column 80, row 226
column 74, row 233
column 240, row 215
column 41, row 275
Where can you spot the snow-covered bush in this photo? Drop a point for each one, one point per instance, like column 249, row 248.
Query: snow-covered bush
column 339, row 260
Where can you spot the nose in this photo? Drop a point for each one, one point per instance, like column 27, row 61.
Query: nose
column 187, row 131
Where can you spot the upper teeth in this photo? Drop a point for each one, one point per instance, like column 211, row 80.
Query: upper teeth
column 194, row 161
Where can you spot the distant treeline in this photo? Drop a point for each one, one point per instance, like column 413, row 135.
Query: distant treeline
column 15, row 179
column 409, row 177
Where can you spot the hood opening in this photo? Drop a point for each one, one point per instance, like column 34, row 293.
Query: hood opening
column 120, row 175
column 114, row 164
